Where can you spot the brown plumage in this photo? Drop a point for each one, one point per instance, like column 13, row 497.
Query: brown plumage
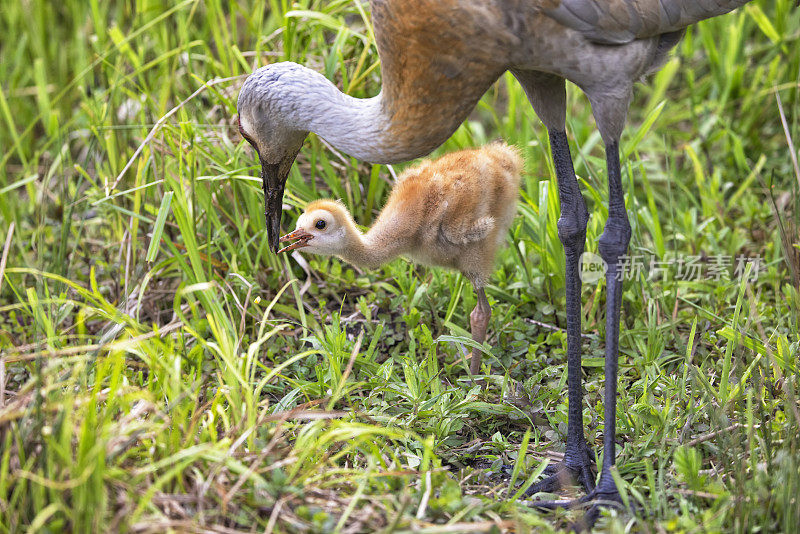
column 451, row 212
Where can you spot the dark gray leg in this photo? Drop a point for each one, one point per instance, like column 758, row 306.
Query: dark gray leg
column 613, row 245
column 578, row 461
column 479, row 322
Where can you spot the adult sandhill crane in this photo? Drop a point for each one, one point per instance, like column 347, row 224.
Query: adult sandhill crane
column 438, row 57
column 451, row 212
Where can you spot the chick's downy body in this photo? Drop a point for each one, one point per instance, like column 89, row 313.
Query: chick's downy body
column 451, row 212
column 457, row 209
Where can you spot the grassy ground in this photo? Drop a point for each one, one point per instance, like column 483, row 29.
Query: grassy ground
column 162, row 370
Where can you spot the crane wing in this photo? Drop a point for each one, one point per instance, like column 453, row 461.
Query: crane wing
column 622, row 21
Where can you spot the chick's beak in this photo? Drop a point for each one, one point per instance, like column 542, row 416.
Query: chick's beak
column 302, row 237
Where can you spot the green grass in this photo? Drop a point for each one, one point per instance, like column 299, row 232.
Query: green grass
column 162, row 370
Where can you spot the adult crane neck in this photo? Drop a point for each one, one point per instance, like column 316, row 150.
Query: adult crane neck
column 365, row 128
column 359, row 127
column 282, row 102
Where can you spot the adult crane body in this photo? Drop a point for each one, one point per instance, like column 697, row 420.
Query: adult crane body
column 438, row 57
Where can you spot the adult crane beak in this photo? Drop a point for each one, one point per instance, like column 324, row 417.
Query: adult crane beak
column 273, row 184
column 302, row 237
column 273, row 178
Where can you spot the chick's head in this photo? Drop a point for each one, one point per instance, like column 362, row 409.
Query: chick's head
column 325, row 227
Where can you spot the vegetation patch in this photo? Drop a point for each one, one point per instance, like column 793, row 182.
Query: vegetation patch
column 161, row 370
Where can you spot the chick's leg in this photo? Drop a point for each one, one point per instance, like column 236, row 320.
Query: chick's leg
column 479, row 322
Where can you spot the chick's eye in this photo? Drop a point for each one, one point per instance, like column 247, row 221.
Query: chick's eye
column 320, row 224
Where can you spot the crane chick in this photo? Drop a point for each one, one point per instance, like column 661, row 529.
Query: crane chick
column 450, row 212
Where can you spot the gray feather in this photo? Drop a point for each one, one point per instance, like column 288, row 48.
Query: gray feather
column 622, row 21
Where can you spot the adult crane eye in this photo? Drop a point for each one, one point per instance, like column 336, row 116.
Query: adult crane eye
column 320, row 224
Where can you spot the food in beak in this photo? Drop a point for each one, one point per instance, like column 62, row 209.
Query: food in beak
column 302, row 237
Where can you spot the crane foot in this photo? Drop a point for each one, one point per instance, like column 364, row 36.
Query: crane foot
column 578, row 470
column 595, row 501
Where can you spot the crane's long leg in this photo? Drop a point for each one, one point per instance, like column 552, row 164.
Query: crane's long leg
column 613, row 245
column 578, row 461
column 479, row 322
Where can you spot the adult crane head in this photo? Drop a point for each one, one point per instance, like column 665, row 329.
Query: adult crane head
column 280, row 103
column 263, row 122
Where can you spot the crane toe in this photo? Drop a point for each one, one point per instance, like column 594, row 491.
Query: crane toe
column 561, row 476
column 596, row 500
column 599, row 500
column 578, row 468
